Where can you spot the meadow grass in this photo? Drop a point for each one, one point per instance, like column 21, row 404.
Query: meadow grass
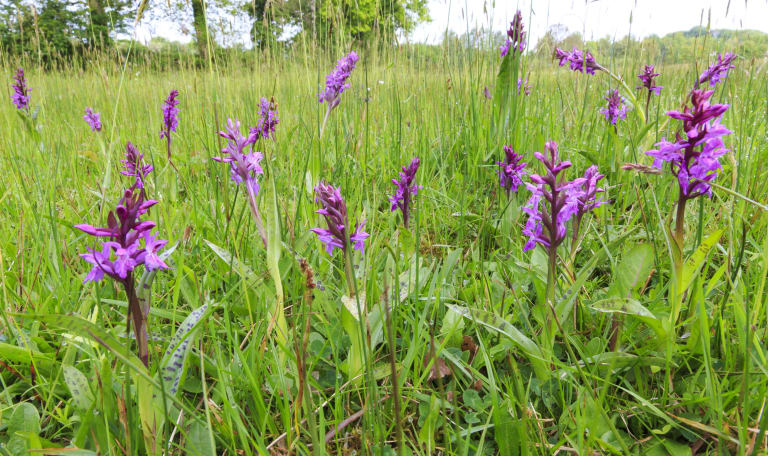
column 452, row 302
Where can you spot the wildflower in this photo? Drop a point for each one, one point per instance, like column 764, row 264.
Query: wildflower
column 588, row 200
column 129, row 245
column 526, row 88
column 268, row 120
column 20, row 95
column 133, row 165
column 126, row 232
column 170, row 115
column 560, row 200
column 647, row 77
column 511, row 170
column 515, row 36
column 694, row 156
column 93, row 119
column 244, row 167
column 616, row 109
column 487, row 93
column 578, row 60
column 170, row 119
column 717, row 71
column 336, row 82
column 334, row 210
column 406, row 188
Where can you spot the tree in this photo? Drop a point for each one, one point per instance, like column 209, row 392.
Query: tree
column 200, row 24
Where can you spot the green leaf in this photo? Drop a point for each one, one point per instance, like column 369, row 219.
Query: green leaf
column 78, row 387
column 172, row 364
column 504, row 90
column 633, row 308
column 243, row 270
column 693, row 264
column 199, row 441
column 502, row 326
column 634, row 267
column 24, row 418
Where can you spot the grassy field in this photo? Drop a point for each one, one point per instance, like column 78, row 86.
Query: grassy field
column 456, row 341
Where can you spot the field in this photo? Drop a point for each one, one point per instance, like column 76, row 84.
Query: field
column 644, row 333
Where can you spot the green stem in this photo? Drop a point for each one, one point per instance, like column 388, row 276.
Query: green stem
column 257, row 216
column 678, row 263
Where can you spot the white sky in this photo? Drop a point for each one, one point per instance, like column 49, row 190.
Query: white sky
column 593, row 18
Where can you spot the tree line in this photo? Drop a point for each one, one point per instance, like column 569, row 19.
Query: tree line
column 52, row 29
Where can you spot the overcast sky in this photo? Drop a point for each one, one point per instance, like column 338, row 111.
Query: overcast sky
column 594, row 18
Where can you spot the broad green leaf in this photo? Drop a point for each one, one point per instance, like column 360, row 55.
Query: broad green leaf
column 199, row 440
column 144, row 289
column 245, row 272
column 78, row 387
column 564, row 305
column 24, row 418
column 693, row 264
column 506, row 87
column 633, row 308
column 633, row 268
column 172, row 364
column 502, row 326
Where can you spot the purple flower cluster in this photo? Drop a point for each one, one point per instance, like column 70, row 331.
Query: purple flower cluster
column 406, row 188
column 524, row 85
column 334, row 210
column 647, row 78
column 245, row 167
column 170, row 115
column 268, row 121
column 578, row 60
column 130, row 242
column 511, row 170
column 694, row 156
column 20, row 95
column 133, row 165
column 515, row 36
column 717, row 71
column 93, row 119
column 587, row 196
column 554, row 200
column 336, row 82
column 616, row 109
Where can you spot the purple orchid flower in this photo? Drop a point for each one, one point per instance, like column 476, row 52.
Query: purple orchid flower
column 616, row 109
column 129, row 245
column 718, row 71
column 334, row 210
column 511, row 171
column 133, row 165
column 268, row 120
column 336, row 82
column 524, row 85
column 244, row 167
column 694, row 156
column 170, row 118
column 93, row 119
column 553, row 202
column 20, row 96
column 647, row 80
column 406, row 189
column 515, row 36
column 579, row 61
